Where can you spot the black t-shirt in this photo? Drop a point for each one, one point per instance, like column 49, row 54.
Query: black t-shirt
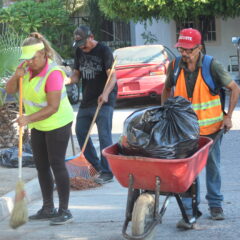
column 92, row 66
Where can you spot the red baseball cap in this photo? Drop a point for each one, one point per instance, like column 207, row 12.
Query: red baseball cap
column 189, row 38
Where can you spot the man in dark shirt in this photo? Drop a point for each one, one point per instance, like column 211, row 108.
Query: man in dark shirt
column 92, row 64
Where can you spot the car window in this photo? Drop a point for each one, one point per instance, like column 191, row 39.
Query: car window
column 146, row 54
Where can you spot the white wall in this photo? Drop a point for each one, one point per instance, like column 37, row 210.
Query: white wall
column 162, row 30
column 221, row 49
column 224, row 47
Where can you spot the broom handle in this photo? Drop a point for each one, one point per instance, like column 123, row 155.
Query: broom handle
column 20, row 131
column 98, row 108
column 72, row 143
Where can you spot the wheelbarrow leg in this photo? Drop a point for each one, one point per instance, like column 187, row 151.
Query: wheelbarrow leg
column 164, row 207
column 157, row 194
column 158, row 215
column 132, row 196
column 184, row 214
column 192, row 192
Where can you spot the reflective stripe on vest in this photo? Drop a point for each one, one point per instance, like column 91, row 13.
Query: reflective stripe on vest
column 210, row 121
column 206, row 106
column 50, row 67
column 35, row 98
column 43, row 104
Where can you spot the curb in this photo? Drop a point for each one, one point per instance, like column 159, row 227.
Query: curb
column 33, row 192
column 32, row 189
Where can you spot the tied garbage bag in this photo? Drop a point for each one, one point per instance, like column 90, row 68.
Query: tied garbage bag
column 9, row 157
column 167, row 132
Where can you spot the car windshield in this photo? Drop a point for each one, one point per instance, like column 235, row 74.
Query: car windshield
column 136, row 55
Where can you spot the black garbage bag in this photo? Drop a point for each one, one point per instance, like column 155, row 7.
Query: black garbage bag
column 9, row 157
column 167, row 132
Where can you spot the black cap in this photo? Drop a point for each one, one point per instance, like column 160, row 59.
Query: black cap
column 84, row 32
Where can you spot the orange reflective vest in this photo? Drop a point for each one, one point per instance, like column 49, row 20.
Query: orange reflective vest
column 207, row 107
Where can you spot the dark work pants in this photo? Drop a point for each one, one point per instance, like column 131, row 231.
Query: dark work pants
column 49, row 150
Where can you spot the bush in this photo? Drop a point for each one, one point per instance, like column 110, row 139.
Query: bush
column 50, row 18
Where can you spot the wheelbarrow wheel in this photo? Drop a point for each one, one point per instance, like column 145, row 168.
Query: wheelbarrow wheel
column 142, row 215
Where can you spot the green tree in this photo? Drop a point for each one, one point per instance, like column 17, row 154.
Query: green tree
column 73, row 5
column 96, row 18
column 140, row 10
column 9, row 55
column 47, row 17
column 178, row 10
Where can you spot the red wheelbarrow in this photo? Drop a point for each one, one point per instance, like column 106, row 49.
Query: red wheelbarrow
column 148, row 178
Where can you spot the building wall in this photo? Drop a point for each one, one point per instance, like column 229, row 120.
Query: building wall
column 163, row 31
column 224, row 48
column 221, row 49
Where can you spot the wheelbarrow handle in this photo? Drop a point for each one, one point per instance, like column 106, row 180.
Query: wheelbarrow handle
column 217, row 137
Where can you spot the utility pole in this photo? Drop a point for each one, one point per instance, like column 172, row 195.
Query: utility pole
column 236, row 42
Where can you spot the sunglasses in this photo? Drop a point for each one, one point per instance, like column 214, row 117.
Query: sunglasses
column 188, row 51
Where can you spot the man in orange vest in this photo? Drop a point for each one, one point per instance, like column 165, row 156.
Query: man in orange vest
column 191, row 82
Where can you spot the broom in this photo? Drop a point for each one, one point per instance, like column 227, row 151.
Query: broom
column 79, row 166
column 19, row 214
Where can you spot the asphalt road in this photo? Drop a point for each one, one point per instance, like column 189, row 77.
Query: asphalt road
column 99, row 213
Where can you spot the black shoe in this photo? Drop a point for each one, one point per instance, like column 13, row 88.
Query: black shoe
column 216, row 213
column 64, row 216
column 44, row 214
column 104, row 178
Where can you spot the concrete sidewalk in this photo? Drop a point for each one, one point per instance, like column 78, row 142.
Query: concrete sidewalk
column 99, row 213
column 9, row 176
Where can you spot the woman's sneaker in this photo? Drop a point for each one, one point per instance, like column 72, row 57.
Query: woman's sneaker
column 64, row 216
column 44, row 214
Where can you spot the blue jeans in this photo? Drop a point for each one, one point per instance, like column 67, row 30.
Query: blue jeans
column 213, row 180
column 104, row 126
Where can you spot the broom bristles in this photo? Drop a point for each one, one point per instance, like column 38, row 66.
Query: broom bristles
column 79, row 183
column 19, row 214
column 80, row 167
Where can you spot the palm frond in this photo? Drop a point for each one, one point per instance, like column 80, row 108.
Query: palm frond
column 9, row 53
column 9, row 58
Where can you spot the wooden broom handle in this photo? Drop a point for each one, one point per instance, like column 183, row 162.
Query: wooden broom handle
column 20, row 129
column 20, row 114
column 98, row 107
